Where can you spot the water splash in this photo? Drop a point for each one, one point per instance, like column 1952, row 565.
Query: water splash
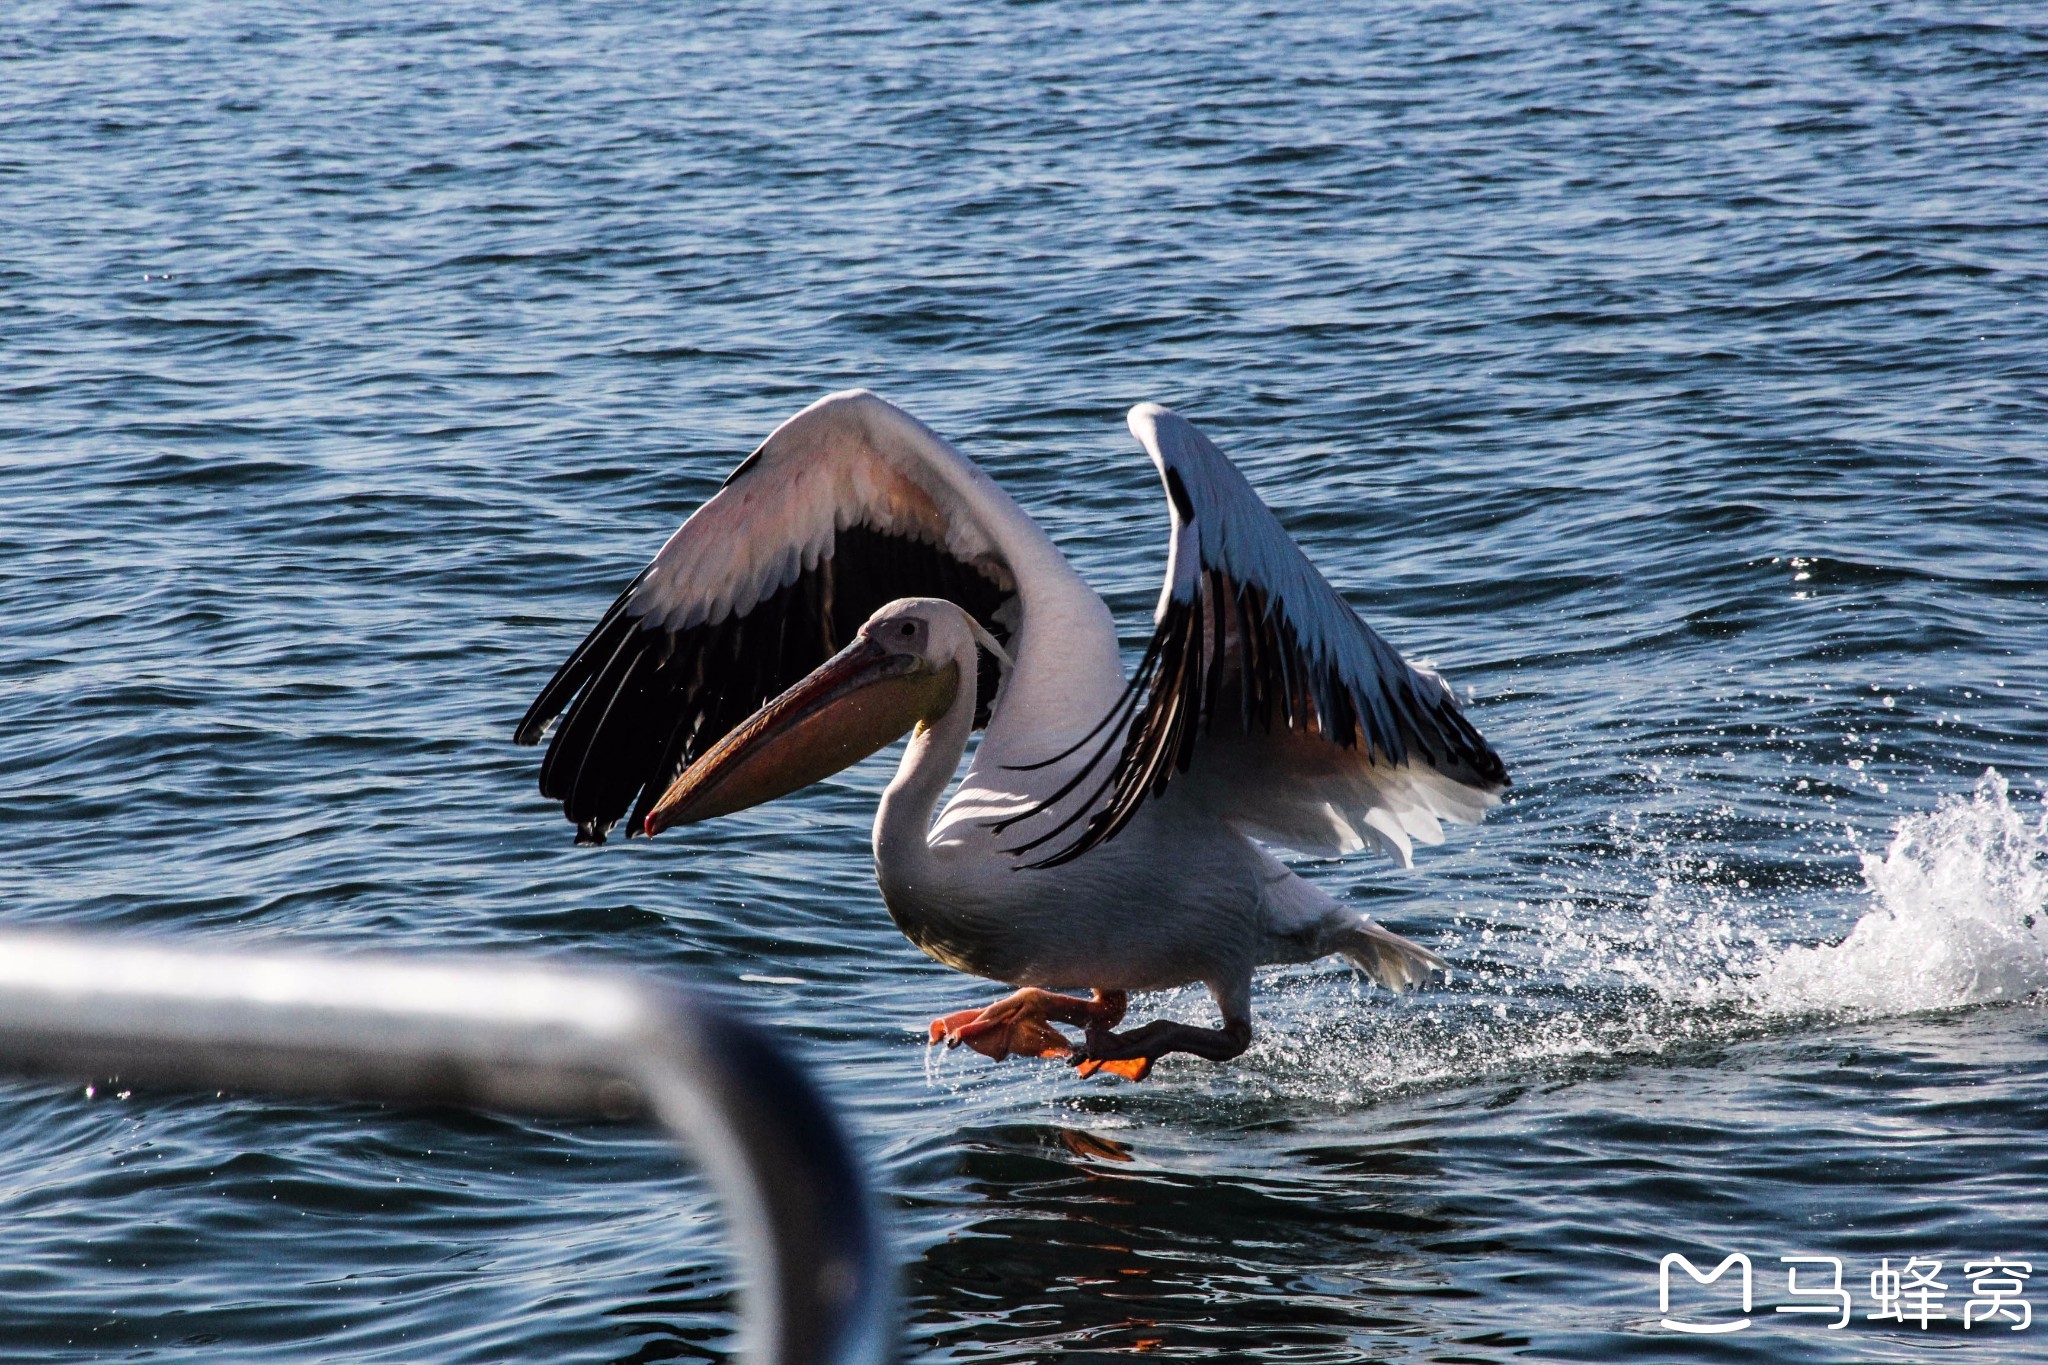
column 1958, row 919
column 1662, row 948
column 1955, row 917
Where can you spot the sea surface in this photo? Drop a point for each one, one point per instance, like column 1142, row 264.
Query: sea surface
column 1673, row 376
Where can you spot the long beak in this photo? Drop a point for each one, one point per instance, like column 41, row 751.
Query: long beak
column 850, row 706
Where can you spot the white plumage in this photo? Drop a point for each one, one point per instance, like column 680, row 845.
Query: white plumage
column 857, row 577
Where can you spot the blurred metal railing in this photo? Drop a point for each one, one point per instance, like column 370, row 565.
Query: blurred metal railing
column 493, row 1034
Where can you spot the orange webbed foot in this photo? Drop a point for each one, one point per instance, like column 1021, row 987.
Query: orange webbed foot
column 1020, row 1025
column 1000, row 1038
column 997, row 1032
column 946, row 1027
column 1130, row 1068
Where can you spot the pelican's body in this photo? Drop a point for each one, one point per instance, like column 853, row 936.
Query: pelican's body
column 1210, row 903
column 1108, row 833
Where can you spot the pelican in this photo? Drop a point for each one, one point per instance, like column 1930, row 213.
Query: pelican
column 857, row 578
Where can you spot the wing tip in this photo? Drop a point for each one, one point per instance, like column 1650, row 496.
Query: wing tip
column 861, row 404
column 852, row 405
column 1145, row 419
column 859, row 396
column 861, row 413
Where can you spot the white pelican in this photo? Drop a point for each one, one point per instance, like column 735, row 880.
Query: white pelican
column 863, row 579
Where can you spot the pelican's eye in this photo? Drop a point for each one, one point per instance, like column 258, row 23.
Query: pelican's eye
column 909, row 629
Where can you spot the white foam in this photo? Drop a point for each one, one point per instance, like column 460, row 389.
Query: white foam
column 1958, row 919
column 1662, row 947
column 1955, row 914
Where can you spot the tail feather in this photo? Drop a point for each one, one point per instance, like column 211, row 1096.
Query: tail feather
column 1395, row 962
column 1306, row 923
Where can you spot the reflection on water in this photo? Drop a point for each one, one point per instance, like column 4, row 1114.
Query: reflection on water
column 1087, row 1254
column 684, row 1317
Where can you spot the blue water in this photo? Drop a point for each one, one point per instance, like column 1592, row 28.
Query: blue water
column 1673, row 376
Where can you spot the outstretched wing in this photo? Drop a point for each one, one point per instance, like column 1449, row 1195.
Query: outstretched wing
column 847, row 506
column 1263, row 695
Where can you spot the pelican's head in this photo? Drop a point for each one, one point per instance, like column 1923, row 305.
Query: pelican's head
column 903, row 669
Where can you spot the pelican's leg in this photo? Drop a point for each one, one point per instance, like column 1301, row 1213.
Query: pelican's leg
column 1130, row 1054
column 1020, row 1025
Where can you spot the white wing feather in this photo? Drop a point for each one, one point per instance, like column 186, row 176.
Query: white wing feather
column 1264, row 696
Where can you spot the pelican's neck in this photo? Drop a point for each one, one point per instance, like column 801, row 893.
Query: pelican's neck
column 903, row 824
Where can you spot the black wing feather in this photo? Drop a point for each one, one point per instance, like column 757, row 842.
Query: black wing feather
column 640, row 703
